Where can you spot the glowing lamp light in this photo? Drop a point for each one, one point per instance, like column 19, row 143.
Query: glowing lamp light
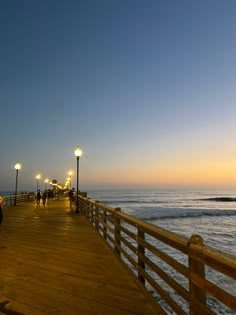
column 46, row 181
column 18, row 166
column 78, row 152
column 70, row 173
column 38, row 177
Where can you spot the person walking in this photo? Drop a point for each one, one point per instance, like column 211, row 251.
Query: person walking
column 72, row 196
column 1, row 206
column 44, row 197
column 38, row 197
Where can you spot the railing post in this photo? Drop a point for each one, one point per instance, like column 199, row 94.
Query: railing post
column 92, row 214
column 97, row 217
column 117, row 232
column 84, row 206
column 141, row 250
column 196, row 268
column 104, row 224
column 80, row 203
column 88, row 210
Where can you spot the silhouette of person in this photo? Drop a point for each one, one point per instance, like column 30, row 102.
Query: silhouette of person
column 71, row 195
column 44, row 197
column 38, row 197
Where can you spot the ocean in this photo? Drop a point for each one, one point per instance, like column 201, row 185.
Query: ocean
column 209, row 213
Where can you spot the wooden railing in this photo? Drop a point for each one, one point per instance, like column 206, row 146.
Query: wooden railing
column 10, row 200
column 179, row 272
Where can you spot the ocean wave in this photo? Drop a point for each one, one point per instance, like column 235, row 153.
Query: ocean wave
column 180, row 213
column 111, row 202
column 220, row 199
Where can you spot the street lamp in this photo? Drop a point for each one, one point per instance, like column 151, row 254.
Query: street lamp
column 17, row 168
column 78, row 154
column 70, row 174
column 38, row 176
column 46, row 181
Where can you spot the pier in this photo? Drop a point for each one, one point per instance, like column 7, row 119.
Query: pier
column 54, row 261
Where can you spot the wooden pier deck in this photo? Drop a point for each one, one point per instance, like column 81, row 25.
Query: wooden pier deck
column 53, row 261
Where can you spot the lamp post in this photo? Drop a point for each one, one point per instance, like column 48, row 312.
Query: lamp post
column 17, row 168
column 46, row 181
column 78, row 154
column 70, row 174
column 38, row 176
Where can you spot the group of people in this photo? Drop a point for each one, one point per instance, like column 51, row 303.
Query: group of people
column 45, row 195
column 40, row 196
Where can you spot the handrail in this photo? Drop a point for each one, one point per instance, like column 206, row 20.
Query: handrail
column 184, row 285
column 10, row 200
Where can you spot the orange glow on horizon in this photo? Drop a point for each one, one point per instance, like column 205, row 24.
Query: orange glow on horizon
column 211, row 173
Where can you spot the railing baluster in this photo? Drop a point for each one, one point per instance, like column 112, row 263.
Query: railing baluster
column 104, row 224
column 117, row 232
column 88, row 211
column 80, row 205
column 97, row 217
column 196, row 267
column 141, row 250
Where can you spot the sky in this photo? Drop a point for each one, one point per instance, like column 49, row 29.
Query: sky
column 146, row 88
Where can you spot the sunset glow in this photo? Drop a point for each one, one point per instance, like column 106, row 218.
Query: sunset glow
column 146, row 88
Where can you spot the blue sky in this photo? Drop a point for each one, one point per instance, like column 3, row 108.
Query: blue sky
column 146, row 88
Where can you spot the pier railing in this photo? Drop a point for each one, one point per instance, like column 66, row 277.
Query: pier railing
column 184, row 275
column 10, row 200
